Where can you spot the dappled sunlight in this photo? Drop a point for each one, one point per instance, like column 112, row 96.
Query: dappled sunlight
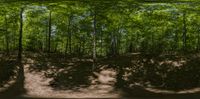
column 106, row 77
column 74, row 79
column 164, row 72
column 162, row 91
column 49, row 77
column 129, row 49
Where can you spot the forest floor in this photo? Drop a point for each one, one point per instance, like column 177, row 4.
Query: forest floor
column 41, row 74
column 66, row 77
column 37, row 85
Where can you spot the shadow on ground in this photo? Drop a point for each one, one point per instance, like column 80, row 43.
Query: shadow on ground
column 67, row 73
column 173, row 76
column 11, row 78
column 171, row 72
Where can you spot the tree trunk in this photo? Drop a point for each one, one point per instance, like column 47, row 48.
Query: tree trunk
column 198, row 42
column 115, row 45
column 131, row 45
column 46, row 48
column 80, row 46
column 112, row 44
column 83, row 46
column 66, row 46
column 94, row 39
column 20, row 36
column 175, row 41
column 136, row 42
column 101, row 43
column 184, row 31
column 152, row 42
column 6, row 35
column 20, row 77
column 49, row 41
column 69, row 42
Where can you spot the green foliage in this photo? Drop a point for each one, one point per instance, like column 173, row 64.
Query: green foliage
column 129, row 26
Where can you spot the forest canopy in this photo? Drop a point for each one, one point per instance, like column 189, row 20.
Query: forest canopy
column 115, row 26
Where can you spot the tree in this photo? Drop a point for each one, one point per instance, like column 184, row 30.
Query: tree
column 184, row 31
column 6, row 35
column 94, row 38
column 20, row 35
column 49, row 41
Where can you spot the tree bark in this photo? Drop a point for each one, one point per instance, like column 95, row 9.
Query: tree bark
column 66, row 46
column 131, row 45
column 101, row 42
column 112, row 44
column 70, row 35
column 184, row 31
column 175, row 41
column 198, row 42
column 152, row 42
column 20, row 36
column 94, row 39
column 6, row 35
column 46, row 44
column 49, row 41
column 20, row 77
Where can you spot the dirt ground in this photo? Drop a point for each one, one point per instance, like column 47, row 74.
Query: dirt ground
column 38, row 85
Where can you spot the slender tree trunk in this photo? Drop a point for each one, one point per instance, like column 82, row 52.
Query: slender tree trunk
column 94, row 39
column 6, row 35
column 49, row 41
column 20, row 77
column 101, row 43
column 184, row 31
column 113, row 44
column 80, row 46
column 70, row 43
column 131, row 45
column 175, row 41
column 83, row 46
column 20, row 36
column 69, row 36
column 137, row 41
column 46, row 48
column 117, row 41
column 198, row 41
column 152, row 42
column 66, row 46
column 14, row 41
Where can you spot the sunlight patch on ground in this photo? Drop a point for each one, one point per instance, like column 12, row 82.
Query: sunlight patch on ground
column 37, row 85
column 195, row 90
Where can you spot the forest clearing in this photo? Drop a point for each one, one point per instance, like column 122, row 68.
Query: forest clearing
column 134, row 49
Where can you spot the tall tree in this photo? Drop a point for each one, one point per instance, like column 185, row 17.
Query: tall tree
column 69, row 34
column 49, row 41
column 94, row 38
column 184, row 31
column 6, row 35
column 20, row 35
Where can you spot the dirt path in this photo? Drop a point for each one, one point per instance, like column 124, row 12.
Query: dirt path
column 37, row 85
